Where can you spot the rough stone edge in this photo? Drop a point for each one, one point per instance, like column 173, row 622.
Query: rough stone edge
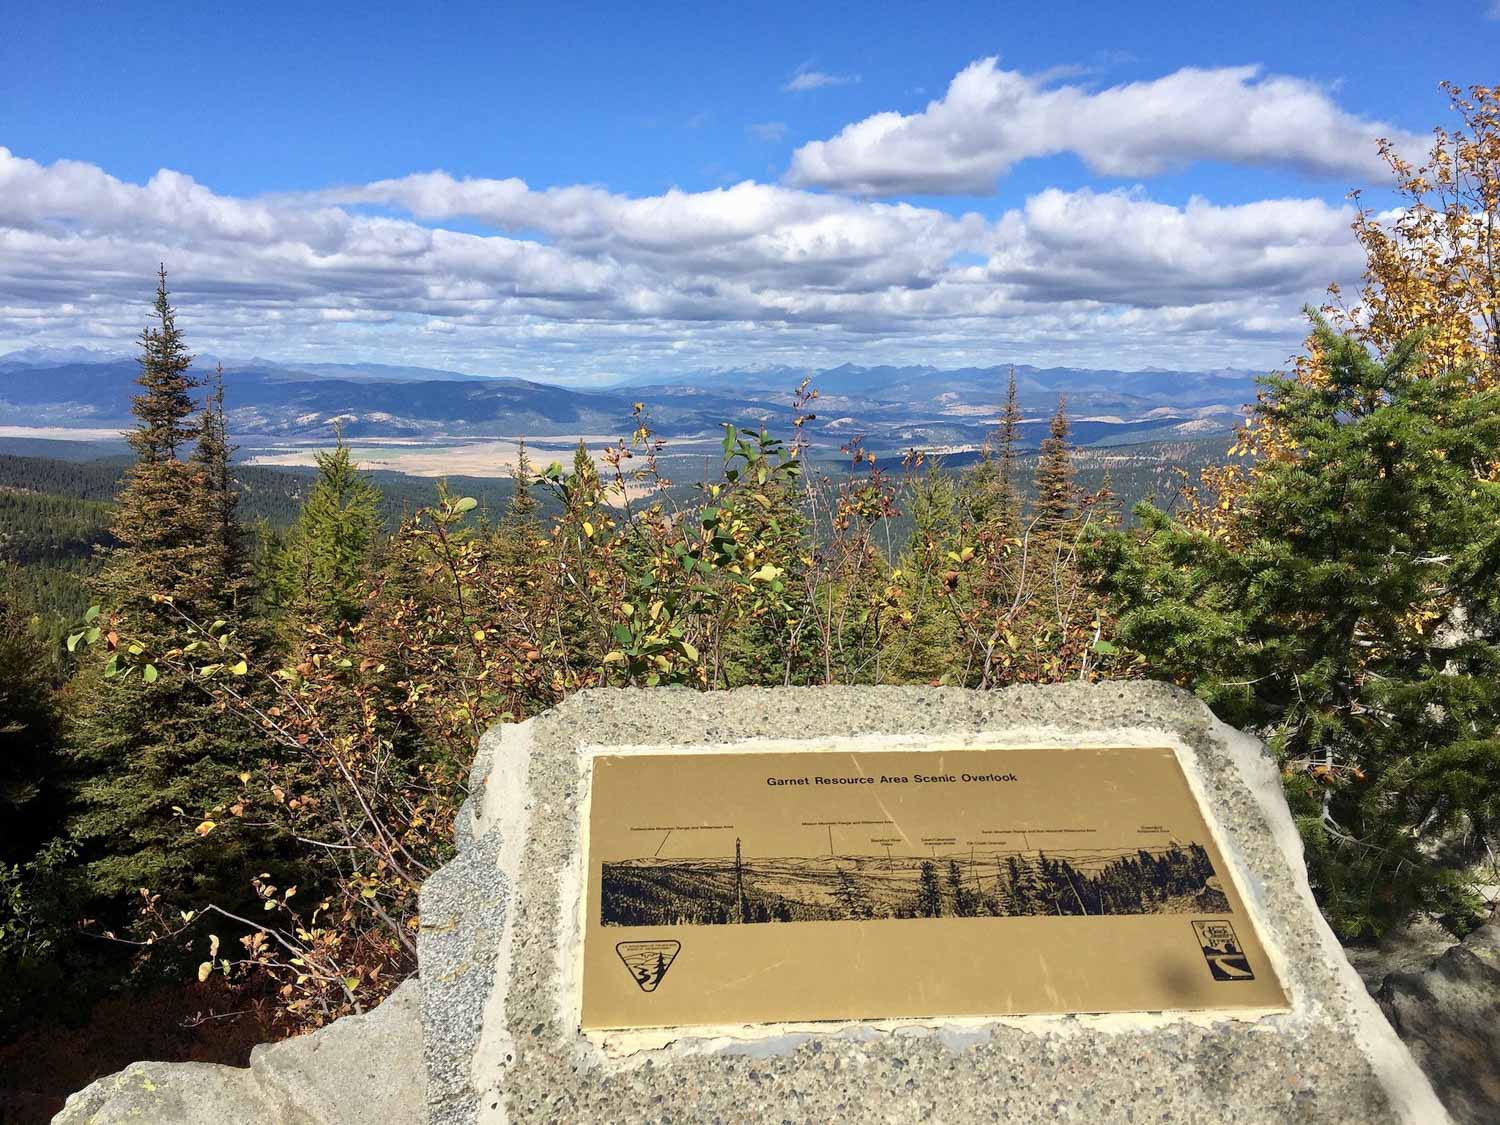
column 1407, row 1085
column 313, row 1072
column 506, row 809
column 467, row 922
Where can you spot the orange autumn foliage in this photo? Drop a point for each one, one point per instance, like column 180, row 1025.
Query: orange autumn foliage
column 1432, row 264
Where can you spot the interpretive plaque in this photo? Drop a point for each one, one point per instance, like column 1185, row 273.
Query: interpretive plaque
column 729, row 888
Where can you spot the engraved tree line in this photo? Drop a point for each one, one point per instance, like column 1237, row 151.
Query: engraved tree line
column 698, row 892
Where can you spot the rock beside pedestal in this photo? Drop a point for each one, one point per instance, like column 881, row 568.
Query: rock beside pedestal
column 1449, row 1016
column 360, row 1070
column 1404, row 949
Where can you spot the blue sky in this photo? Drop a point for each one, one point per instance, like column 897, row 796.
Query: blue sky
column 1013, row 222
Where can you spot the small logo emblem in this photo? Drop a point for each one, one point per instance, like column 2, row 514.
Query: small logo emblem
column 648, row 961
column 1222, row 950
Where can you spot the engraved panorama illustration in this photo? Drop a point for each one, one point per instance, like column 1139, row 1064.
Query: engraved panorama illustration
column 869, row 881
column 741, row 888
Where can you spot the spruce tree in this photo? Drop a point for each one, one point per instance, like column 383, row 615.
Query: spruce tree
column 329, row 548
column 523, row 504
column 852, row 902
column 929, row 891
column 992, row 496
column 925, row 648
column 166, row 400
column 149, row 759
column 161, row 514
column 222, row 529
column 1056, row 494
column 1026, row 890
column 270, row 572
column 1008, row 506
column 965, row 901
column 1347, row 611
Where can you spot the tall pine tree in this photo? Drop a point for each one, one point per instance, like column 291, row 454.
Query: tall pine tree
column 162, row 512
column 1351, row 617
column 1056, row 494
column 329, row 548
column 1010, row 436
column 222, row 529
column 992, row 495
column 523, row 504
column 150, row 759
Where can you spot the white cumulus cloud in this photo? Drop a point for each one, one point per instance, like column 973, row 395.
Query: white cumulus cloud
column 1122, row 248
column 494, row 276
column 991, row 119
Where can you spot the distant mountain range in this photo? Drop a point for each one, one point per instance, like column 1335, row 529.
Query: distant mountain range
column 893, row 407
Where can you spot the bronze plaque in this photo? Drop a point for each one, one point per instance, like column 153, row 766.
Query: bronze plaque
column 728, row 888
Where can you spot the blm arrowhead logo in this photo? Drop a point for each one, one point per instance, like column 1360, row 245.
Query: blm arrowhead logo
column 1223, row 952
column 648, row 961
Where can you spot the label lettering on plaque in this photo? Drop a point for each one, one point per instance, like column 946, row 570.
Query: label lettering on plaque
column 833, row 885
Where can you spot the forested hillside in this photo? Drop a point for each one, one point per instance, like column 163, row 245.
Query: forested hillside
column 55, row 518
column 55, row 513
column 273, row 495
